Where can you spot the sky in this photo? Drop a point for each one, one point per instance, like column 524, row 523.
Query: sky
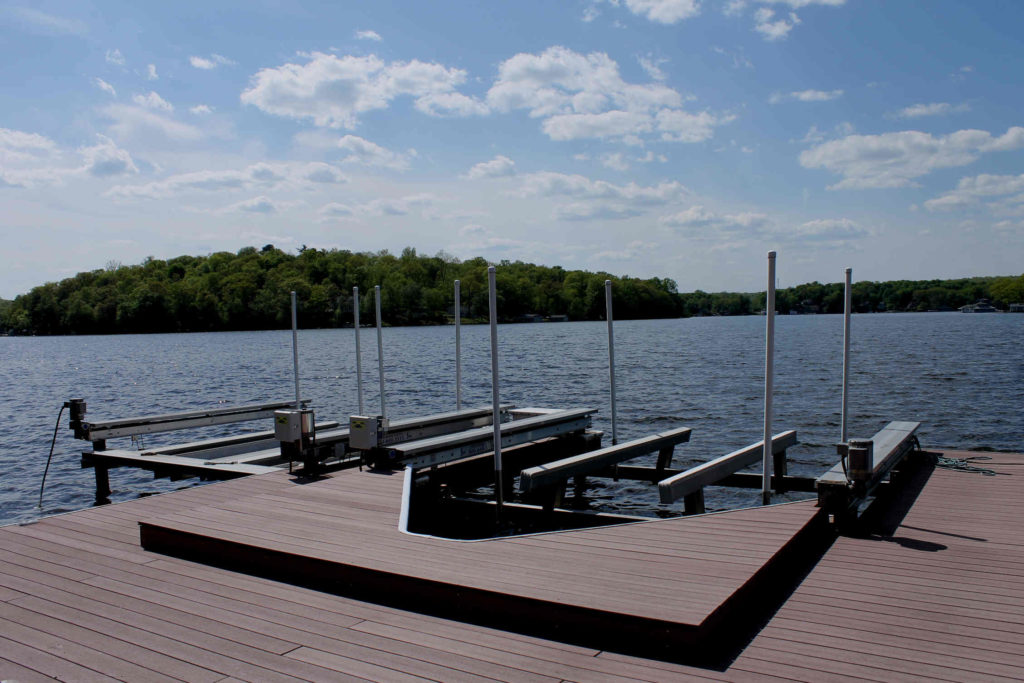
column 669, row 138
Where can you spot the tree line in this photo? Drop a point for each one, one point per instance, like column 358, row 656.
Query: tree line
column 250, row 290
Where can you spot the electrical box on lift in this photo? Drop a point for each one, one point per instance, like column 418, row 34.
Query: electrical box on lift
column 293, row 426
column 365, row 432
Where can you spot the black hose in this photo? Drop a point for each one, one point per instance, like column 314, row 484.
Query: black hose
column 50, row 457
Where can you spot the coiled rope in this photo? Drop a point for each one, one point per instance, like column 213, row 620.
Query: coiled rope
column 964, row 465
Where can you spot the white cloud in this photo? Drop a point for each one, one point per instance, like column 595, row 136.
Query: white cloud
column 333, row 91
column 664, row 11
column 400, row 206
column 616, row 161
column 497, row 167
column 134, row 121
column 806, row 96
column 773, row 30
column 739, row 60
column 212, row 62
column 262, row 205
column 584, row 211
column 971, row 190
column 583, row 96
column 828, row 230
column 653, row 67
column 151, row 74
column 697, row 220
column 933, row 109
column 106, row 159
column 551, row 184
column 895, row 159
column 152, row 101
column 361, row 151
column 201, row 109
column 261, row 177
column 104, row 86
column 632, row 250
column 335, row 210
column 47, row 24
column 368, row 35
column 115, row 57
column 797, row 4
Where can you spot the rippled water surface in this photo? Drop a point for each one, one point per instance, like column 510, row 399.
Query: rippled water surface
column 962, row 376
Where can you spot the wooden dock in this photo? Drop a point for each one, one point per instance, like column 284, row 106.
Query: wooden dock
column 937, row 594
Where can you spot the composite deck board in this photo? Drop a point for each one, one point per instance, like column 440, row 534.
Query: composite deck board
column 940, row 599
column 321, row 523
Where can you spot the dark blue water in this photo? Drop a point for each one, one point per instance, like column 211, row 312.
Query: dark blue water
column 962, row 376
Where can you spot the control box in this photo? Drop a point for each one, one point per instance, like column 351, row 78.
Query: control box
column 366, row 432
column 293, row 426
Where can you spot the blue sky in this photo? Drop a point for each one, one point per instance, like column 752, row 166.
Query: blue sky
column 671, row 138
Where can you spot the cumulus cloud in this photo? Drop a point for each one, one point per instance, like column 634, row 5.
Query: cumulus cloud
column 971, row 190
column 261, row 205
column 115, row 57
column 143, row 122
column 201, row 109
column 368, row 35
column 334, row 91
column 652, row 67
column 212, row 62
column 828, row 230
column 774, row 30
column 806, row 96
column 933, row 109
column 664, row 11
column 584, row 96
column 361, row 151
column 335, row 210
column 896, row 159
column 697, row 220
column 260, row 177
column 151, row 74
column 497, row 167
column 104, row 86
column 615, row 161
column 583, row 211
column 152, row 101
column 106, row 159
column 552, row 184
column 400, row 206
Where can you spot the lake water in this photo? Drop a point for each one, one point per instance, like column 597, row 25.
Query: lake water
column 962, row 376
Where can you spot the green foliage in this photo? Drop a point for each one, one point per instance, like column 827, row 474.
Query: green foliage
column 250, row 290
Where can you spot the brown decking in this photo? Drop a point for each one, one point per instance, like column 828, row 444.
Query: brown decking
column 668, row 582
column 942, row 597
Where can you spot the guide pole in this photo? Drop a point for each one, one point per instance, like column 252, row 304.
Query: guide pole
column 380, row 352
column 495, row 410
column 295, row 351
column 769, row 370
column 611, row 355
column 458, row 345
column 359, row 357
column 847, row 310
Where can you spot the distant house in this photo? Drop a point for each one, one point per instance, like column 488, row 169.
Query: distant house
column 1016, row 308
column 530, row 318
column 982, row 306
column 558, row 318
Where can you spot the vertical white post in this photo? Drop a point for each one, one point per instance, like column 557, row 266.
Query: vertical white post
column 380, row 352
column 495, row 405
column 295, row 351
column 769, row 379
column 847, row 310
column 611, row 355
column 458, row 345
column 359, row 356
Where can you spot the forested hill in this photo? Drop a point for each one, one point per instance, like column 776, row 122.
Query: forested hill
column 250, row 290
